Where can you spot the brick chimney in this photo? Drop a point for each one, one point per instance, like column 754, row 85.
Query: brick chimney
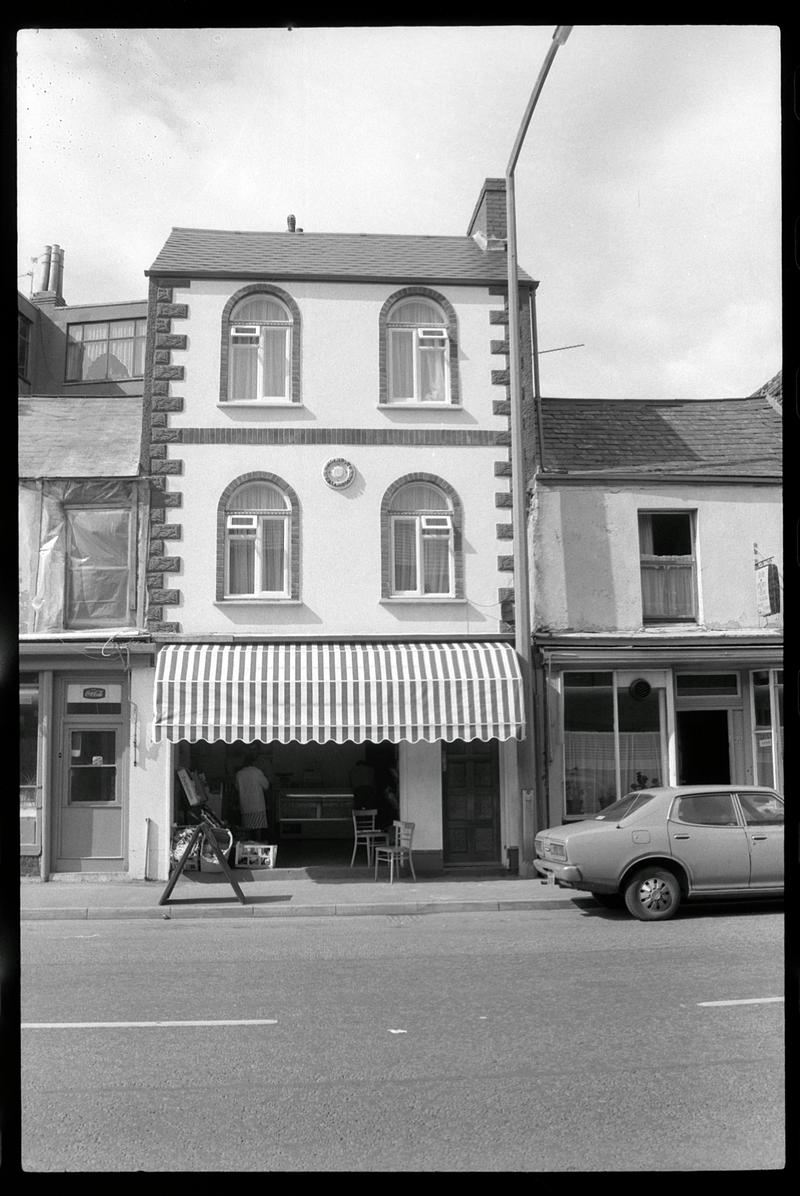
column 488, row 223
column 48, row 277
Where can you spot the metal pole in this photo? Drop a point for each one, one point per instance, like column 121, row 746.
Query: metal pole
column 522, row 621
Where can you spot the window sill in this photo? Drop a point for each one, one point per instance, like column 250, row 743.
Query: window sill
column 416, row 405
column 258, row 404
column 425, row 599
column 258, row 602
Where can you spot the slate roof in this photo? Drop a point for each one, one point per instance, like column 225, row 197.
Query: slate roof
column 723, row 438
column 79, row 437
column 365, row 257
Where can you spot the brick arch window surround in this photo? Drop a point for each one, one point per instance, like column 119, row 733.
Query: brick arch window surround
column 260, row 346
column 422, row 552
column 414, row 368
column 258, row 539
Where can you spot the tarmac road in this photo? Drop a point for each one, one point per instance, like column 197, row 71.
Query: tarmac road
column 546, row 1040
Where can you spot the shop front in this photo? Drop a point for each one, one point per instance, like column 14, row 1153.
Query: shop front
column 614, row 719
column 425, row 732
column 78, row 744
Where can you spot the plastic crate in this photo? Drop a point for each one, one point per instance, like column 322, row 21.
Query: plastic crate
column 256, row 855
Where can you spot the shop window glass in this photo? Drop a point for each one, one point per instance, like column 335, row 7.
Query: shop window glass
column 589, row 742
column 28, row 763
column 639, row 738
column 706, row 685
column 767, row 686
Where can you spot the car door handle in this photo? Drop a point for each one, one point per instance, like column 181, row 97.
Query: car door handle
column 758, row 838
column 680, row 836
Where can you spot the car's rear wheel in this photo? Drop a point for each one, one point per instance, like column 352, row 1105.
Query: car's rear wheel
column 609, row 900
column 652, row 894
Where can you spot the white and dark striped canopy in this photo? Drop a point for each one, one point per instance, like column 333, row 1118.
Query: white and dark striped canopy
column 316, row 692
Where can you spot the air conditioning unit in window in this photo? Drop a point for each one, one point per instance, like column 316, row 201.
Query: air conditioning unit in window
column 245, row 331
column 242, row 523
column 435, row 335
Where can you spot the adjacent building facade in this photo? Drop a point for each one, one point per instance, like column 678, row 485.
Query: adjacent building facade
column 84, row 657
column 656, row 533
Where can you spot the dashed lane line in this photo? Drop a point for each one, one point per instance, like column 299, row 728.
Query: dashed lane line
column 255, row 1021
column 744, row 1001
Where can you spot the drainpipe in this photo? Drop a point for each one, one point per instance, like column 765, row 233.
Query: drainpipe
column 522, row 620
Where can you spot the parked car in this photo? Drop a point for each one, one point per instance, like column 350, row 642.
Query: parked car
column 655, row 848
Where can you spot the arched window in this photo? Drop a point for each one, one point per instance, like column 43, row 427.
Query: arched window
column 258, row 541
column 419, row 351
column 421, row 542
column 260, row 331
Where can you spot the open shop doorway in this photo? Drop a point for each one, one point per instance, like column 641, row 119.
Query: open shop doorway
column 313, row 789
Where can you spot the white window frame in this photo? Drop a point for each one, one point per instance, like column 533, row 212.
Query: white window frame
column 430, row 525
column 649, row 559
column 437, row 332
column 254, row 530
column 241, row 329
column 75, row 347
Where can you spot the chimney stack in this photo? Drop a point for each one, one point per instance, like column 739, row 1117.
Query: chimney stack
column 49, row 276
column 488, row 224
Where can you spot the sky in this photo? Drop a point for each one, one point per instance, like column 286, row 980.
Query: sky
column 648, row 186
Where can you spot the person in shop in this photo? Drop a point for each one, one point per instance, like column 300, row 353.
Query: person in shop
column 369, row 795
column 252, row 787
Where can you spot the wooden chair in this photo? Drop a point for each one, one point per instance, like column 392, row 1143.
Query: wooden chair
column 365, row 833
column 397, row 849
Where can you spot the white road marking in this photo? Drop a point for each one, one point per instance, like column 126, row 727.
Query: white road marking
column 398, row 1031
column 256, row 1021
column 746, row 1001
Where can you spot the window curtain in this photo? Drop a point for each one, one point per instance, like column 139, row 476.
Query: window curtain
column 405, row 555
column 436, row 564
column 401, row 363
column 122, row 349
column 639, row 760
column 667, row 590
column 272, row 555
column 274, row 342
column 590, row 770
column 241, row 565
column 243, row 370
column 431, row 371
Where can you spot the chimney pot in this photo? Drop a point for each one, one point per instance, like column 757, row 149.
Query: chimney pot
column 291, row 223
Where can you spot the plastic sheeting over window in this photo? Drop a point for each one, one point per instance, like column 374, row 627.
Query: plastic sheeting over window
column 83, row 574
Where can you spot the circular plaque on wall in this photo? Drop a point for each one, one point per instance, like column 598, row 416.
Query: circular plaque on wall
column 338, row 473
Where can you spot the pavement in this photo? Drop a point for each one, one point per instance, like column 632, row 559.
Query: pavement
column 288, row 892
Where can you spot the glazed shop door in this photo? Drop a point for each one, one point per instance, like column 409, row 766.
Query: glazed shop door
column 471, row 802
column 90, row 821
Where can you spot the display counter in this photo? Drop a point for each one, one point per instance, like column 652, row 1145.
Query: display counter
column 316, row 814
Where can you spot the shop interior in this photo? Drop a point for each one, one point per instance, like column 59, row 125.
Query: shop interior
column 312, row 792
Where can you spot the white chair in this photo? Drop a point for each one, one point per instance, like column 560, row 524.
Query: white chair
column 365, row 833
column 397, row 850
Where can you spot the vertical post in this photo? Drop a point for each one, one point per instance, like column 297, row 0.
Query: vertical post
column 522, row 620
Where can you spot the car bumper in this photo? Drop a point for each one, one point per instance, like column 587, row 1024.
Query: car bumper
column 563, row 874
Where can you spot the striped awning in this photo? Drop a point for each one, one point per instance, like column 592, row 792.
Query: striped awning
column 340, row 692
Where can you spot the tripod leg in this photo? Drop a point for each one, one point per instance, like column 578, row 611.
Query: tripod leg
column 198, row 830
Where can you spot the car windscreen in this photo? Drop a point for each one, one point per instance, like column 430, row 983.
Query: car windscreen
column 622, row 808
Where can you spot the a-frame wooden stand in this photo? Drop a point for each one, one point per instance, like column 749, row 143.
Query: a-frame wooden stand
column 206, row 826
